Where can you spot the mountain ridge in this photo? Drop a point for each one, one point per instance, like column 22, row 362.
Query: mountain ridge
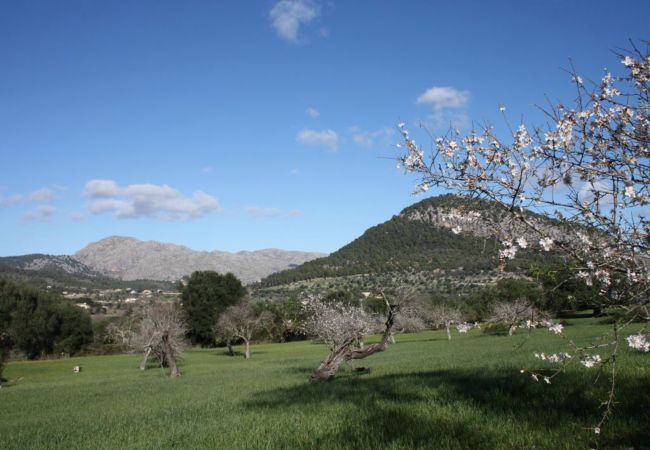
column 128, row 258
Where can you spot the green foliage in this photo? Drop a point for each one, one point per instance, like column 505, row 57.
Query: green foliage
column 562, row 290
column 40, row 323
column 206, row 295
column 289, row 318
column 478, row 305
column 496, row 328
column 424, row 392
column 621, row 315
column 403, row 245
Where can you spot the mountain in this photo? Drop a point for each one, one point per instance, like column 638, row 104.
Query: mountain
column 63, row 272
column 128, row 258
column 420, row 244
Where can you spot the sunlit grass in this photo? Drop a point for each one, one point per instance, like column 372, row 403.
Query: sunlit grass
column 424, row 392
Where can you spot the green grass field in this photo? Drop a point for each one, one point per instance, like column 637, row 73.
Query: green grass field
column 424, row 392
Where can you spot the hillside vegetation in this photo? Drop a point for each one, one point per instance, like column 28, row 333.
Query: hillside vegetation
column 418, row 240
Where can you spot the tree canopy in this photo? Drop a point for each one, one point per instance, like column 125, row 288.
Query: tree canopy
column 39, row 323
column 205, row 296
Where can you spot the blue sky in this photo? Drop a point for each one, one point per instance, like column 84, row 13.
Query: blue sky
column 238, row 125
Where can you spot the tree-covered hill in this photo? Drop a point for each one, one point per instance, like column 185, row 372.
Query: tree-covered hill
column 421, row 238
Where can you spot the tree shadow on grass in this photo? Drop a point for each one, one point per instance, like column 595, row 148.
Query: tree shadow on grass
column 430, row 410
column 237, row 354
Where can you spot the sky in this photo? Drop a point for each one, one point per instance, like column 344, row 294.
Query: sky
column 232, row 125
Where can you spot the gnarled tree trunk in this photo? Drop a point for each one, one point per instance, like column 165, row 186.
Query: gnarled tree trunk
column 448, row 332
column 170, row 357
column 247, row 354
column 345, row 353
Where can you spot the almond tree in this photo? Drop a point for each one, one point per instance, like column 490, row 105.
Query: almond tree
column 414, row 313
column 239, row 321
column 445, row 316
column 519, row 313
column 342, row 328
column 160, row 332
column 587, row 167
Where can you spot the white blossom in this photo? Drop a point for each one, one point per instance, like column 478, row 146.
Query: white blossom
column 509, row 251
column 638, row 342
column 336, row 323
column 628, row 61
column 546, row 243
column 522, row 242
column 590, row 361
column 556, row 328
column 554, row 358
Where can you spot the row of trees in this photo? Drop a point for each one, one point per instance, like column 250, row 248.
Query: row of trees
column 215, row 310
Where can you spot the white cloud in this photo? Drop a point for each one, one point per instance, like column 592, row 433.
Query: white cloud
column 43, row 213
column 312, row 112
column 449, row 107
column 327, row 139
column 39, row 195
column 439, row 120
column 147, row 200
column 257, row 212
column 42, row 195
column 588, row 192
column 101, row 188
column 12, row 200
column 444, row 98
column 368, row 139
column 287, row 16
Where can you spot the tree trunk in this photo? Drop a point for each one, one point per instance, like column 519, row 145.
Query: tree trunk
column 247, row 354
column 145, row 358
column 448, row 332
column 392, row 338
column 229, row 345
column 170, row 358
column 512, row 329
column 345, row 353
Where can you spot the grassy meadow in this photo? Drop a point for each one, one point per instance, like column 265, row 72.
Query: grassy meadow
column 423, row 392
